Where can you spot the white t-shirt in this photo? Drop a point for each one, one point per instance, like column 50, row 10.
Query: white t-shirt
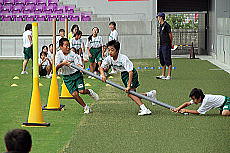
column 209, row 102
column 96, row 42
column 113, row 35
column 45, row 64
column 122, row 63
column 76, row 43
column 26, row 42
column 50, row 56
column 72, row 58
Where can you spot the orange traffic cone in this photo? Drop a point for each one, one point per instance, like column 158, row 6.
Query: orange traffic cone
column 35, row 115
column 65, row 93
column 53, row 99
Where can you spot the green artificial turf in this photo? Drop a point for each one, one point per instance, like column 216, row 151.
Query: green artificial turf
column 114, row 125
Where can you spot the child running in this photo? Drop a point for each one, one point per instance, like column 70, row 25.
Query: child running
column 95, row 47
column 129, row 74
column 207, row 102
column 73, row 78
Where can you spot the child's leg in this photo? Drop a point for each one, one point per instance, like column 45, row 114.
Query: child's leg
column 48, row 69
column 92, row 67
column 169, row 70
column 85, row 91
column 76, row 96
column 163, row 70
column 225, row 113
column 24, row 64
column 136, row 99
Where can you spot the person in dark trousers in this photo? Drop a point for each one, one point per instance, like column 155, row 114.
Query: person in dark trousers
column 18, row 141
column 166, row 39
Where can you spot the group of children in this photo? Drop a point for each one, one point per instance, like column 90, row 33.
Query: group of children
column 104, row 57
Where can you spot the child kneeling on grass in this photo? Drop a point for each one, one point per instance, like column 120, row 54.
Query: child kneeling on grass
column 129, row 74
column 73, row 78
column 44, row 65
column 207, row 103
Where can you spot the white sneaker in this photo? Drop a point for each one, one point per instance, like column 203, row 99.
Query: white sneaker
column 160, row 77
column 89, row 77
column 24, row 72
column 144, row 112
column 48, row 76
column 87, row 110
column 167, row 78
column 152, row 94
column 93, row 94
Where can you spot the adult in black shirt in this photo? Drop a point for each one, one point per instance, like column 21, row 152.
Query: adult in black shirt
column 166, row 38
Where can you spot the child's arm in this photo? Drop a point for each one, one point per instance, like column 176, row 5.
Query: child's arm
column 130, row 81
column 65, row 62
column 103, row 77
column 186, row 104
column 90, row 55
column 181, row 110
column 189, row 111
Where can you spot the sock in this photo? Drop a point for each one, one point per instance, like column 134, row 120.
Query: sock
column 142, row 107
column 148, row 94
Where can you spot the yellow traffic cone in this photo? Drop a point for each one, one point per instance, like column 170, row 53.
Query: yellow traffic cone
column 53, row 99
column 35, row 115
column 65, row 93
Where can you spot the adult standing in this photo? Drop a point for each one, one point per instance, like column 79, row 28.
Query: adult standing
column 166, row 39
column 27, row 47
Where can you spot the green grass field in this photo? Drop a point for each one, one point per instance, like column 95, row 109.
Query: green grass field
column 114, row 126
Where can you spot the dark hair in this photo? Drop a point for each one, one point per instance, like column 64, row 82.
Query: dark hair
column 77, row 33
column 44, row 53
column 90, row 37
column 75, row 50
column 74, row 26
column 51, row 45
column 61, row 41
column 28, row 27
column 61, row 30
column 115, row 44
column 18, row 140
column 113, row 23
column 197, row 93
column 44, row 47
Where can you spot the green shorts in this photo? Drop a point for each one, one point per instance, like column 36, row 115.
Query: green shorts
column 125, row 78
column 74, row 82
column 96, row 54
column 28, row 52
column 226, row 105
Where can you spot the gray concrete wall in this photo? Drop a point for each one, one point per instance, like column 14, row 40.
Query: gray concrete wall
column 121, row 10
column 219, row 30
column 138, row 38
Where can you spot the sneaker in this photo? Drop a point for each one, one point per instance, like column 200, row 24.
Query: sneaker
column 24, row 72
column 87, row 110
column 167, row 78
column 93, row 94
column 144, row 112
column 48, row 76
column 89, row 77
column 160, row 77
column 152, row 94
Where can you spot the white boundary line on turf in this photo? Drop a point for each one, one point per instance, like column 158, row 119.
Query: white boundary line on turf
column 212, row 60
